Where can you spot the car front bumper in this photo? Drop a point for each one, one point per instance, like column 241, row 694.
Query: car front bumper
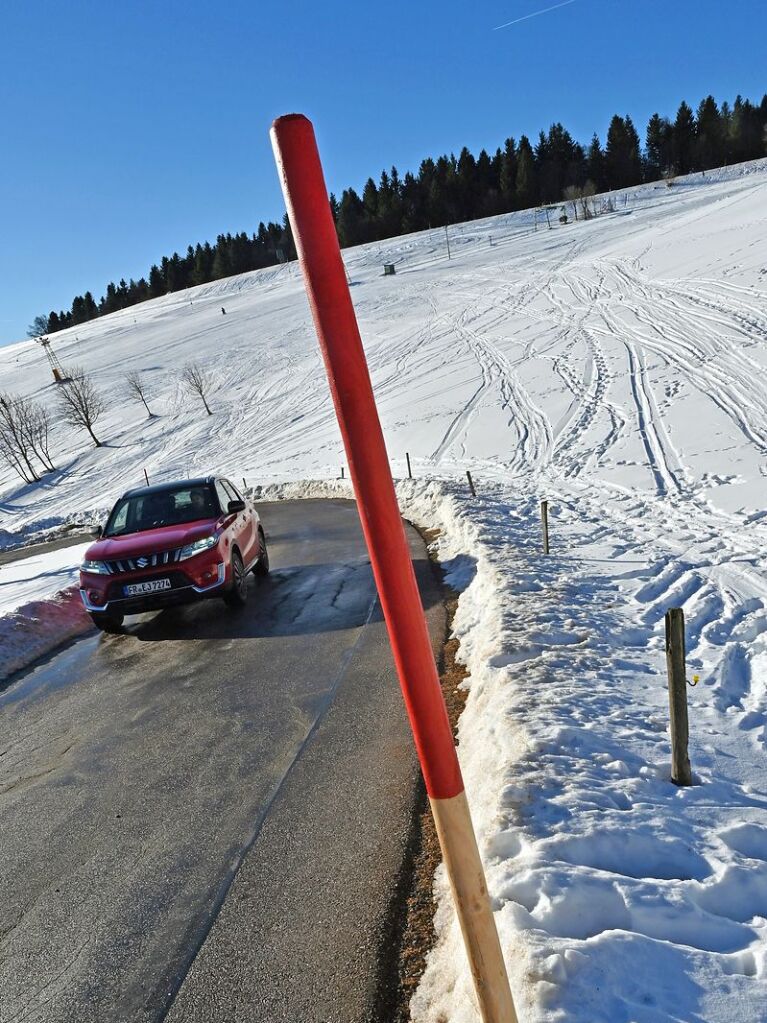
column 98, row 598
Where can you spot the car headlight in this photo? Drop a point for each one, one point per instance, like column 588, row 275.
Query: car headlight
column 198, row 546
column 94, row 567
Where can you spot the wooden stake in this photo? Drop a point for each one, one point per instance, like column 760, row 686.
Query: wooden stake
column 146, row 477
column 475, row 915
column 471, row 484
column 244, row 484
column 681, row 773
column 342, row 472
column 409, row 470
column 447, row 239
column 545, row 525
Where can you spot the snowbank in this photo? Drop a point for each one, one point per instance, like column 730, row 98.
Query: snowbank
column 40, row 606
column 35, row 629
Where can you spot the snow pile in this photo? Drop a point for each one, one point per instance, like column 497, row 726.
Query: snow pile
column 615, row 367
column 39, row 576
column 34, row 629
column 40, row 606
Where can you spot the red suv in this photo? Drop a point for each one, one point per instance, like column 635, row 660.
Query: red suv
column 172, row 544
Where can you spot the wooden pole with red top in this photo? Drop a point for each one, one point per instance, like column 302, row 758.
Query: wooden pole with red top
column 314, row 233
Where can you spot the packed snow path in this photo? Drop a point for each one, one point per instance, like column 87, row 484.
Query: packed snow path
column 617, row 367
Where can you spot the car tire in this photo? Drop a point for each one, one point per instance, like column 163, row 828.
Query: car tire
column 237, row 594
column 261, row 567
column 107, row 621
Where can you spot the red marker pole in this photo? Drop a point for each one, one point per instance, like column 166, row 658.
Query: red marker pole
column 314, row 233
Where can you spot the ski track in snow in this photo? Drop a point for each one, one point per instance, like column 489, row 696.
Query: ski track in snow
column 616, row 367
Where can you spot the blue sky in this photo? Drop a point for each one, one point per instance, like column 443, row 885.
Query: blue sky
column 133, row 129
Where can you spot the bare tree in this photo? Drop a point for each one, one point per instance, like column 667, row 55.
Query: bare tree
column 36, row 429
column 24, row 435
column 196, row 380
column 137, row 390
column 572, row 195
column 589, row 189
column 80, row 402
column 9, row 454
column 38, row 326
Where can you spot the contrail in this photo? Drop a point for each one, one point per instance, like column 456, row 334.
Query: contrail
column 534, row 14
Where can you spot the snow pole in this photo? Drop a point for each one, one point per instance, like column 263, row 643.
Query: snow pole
column 314, row 233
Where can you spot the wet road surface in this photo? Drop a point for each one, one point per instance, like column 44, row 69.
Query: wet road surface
column 205, row 818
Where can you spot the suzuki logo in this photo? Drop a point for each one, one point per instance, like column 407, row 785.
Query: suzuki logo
column 142, row 562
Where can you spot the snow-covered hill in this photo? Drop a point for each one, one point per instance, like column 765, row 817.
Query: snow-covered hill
column 617, row 367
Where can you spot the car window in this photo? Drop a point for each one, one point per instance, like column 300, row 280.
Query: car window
column 120, row 518
column 223, row 496
column 232, row 490
column 173, row 506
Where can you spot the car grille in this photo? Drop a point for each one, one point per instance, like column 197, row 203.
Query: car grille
column 144, row 561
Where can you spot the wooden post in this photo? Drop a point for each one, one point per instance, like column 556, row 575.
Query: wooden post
column 146, row 477
column 467, row 882
column 244, row 484
column 447, row 239
column 545, row 525
column 342, row 472
column 409, row 470
column 471, row 484
column 681, row 774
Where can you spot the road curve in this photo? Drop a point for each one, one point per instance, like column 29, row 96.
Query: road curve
column 206, row 818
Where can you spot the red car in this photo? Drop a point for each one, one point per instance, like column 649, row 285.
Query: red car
column 172, row 544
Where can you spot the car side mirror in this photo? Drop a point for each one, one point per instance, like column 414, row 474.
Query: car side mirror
column 235, row 506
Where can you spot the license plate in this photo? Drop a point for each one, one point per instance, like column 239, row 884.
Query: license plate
column 151, row 587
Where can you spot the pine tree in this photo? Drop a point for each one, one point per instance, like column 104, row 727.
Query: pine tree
column 351, row 215
column 156, row 282
column 657, row 147
column 683, row 140
column 508, row 177
column 221, row 264
column 370, row 206
column 633, row 152
column 486, row 190
column 526, row 184
column 595, row 164
column 623, row 160
column 465, row 192
column 709, row 148
column 90, row 309
column 413, row 205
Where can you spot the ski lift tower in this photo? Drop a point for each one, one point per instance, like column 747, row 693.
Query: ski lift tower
column 58, row 373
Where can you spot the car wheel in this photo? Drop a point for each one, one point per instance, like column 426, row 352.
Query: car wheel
column 107, row 621
column 261, row 567
column 238, row 592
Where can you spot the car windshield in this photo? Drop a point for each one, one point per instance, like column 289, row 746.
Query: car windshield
column 169, row 507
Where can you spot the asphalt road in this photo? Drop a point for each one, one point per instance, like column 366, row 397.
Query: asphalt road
column 205, row 819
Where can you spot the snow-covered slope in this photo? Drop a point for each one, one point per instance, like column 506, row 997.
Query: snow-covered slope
column 616, row 367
